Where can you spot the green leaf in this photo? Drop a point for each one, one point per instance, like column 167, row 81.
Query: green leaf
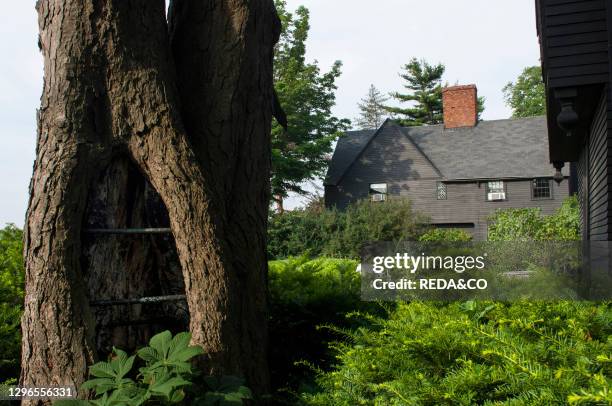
column 161, row 342
column 148, row 354
column 102, row 370
column 166, row 387
column 185, row 354
column 100, row 385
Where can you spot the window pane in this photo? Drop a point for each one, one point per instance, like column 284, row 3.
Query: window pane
column 496, row 191
column 495, row 187
column 441, row 188
column 541, row 188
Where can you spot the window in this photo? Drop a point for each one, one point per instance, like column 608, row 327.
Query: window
column 540, row 189
column 378, row 192
column 496, row 191
column 441, row 190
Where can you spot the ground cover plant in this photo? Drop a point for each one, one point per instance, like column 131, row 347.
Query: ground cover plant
column 305, row 295
column 527, row 353
column 165, row 377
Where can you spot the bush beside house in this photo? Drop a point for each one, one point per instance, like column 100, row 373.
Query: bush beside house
column 317, row 231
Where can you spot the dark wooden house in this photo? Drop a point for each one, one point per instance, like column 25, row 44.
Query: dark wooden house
column 575, row 38
column 458, row 173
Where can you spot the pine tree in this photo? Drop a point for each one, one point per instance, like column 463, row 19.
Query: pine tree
column 372, row 110
column 424, row 82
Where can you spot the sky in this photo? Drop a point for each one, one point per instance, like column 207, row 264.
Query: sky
column 484, row 42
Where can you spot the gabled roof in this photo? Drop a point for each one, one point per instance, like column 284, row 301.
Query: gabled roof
column 347, row 150
column 499, row 149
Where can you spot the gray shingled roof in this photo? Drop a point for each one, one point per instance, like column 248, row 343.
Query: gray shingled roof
column 348, row 148
column 499, row 149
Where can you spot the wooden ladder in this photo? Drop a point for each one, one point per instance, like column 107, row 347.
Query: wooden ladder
column 141, row 300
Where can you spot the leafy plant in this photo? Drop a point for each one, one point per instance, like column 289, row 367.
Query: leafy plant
column 224, row 391
column 163, row 380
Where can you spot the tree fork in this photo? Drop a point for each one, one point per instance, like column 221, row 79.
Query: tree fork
column 109, row 86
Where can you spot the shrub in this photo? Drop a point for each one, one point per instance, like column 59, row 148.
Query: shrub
column 475, row 353
column 302, row 232
column 445, row 234
column 529, row 224
column 11, row 299
column 305, row 294
column 333, row 233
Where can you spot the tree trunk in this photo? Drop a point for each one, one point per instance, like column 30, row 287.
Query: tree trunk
column 279, row 202
column 111, row 128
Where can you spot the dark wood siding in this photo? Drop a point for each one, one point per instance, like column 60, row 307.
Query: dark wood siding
column 582, row 181
column 595, row 157
column 574, row 40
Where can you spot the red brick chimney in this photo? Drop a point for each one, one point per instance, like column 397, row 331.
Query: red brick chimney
column 460, row 104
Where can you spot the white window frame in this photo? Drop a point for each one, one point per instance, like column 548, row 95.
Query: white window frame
column 496, row 191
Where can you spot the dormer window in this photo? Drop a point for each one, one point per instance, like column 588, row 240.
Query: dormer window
column 496, row 191
column 378, row 192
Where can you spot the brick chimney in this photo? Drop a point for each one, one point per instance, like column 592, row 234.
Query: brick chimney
column 460, row 104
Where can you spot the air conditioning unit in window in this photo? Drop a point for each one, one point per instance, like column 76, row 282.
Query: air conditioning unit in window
column 379, row 197
column 496, row 196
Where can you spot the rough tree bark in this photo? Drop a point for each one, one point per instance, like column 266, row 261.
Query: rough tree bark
column 202, row 142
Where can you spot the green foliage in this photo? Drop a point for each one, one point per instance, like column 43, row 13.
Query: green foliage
column 224, row 391
column 526, row 96
column 529, row 224
column 321, row 232
column 163, row 379
column 307, row 96
column 305, row 294
column 371, row 110
column 424, row 85
column 306, row 282
column 445, row 234
column 11, row 299
column 527, row 353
